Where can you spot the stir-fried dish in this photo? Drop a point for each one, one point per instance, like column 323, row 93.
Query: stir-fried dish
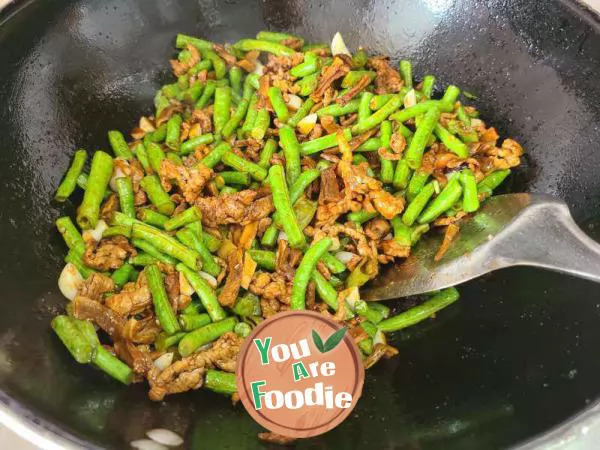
column 274, row 175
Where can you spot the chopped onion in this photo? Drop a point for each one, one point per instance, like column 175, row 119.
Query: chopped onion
column 185, row 287
column 338, row 46
column 69, row 281
column 117, row 173
column 259, row 69
column 147, row 444
column 379, row 338
column 307, row 124
column 282, row 236
column 209, row 278
column 344, row 257
column 164, row 436
column 96, row 233
column 161, row 363
column 410, row 99
column 293, row 102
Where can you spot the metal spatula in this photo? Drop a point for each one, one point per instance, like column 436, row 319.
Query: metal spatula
column 509, row 230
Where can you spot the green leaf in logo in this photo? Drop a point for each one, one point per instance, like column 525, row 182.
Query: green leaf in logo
column 318, row 341
column 334, row 340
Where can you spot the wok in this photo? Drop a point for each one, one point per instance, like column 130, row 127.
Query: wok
column 514, row 358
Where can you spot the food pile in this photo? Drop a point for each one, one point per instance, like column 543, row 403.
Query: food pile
column 273, row 175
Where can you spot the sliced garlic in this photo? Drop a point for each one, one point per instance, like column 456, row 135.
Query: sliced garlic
column 352, row 296
column 344, row 257
column 164, row 436
column 117, row 173
column 293, row 102
column 161, row 363
column 259, row 69
column 96, row 233
column 69, row 281
column 307, row 124
column 185, row 287
column 379, row 338
column 147, row 444
column 209, row 278
column 338, row 47
column 410, row 99
column 282, row 236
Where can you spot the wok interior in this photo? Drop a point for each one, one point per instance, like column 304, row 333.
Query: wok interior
column 514, row 357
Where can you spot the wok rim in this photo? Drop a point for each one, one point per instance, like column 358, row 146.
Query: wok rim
column 31, row 426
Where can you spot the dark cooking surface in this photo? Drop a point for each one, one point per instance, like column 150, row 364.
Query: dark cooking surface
column 514, row 357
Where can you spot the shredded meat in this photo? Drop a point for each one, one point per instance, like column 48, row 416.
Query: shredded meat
column 387, row 80
column 234, row 278
column 377, row 228
column 449, row 236
column 109, row 253
column 136, row 358
column 172, row 288
column 338, row 68
column 242, row 208
column 274, row 438
column 191, row 180
column 96, row 286
column 391, row 249
column 87, row 309
column 354, row 91
column 379, row 351
column 188, row 373
column 133, row 298
column 110, row 205
column 142, row 331
column 271, row 287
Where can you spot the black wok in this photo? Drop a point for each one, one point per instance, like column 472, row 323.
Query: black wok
column 513, row 359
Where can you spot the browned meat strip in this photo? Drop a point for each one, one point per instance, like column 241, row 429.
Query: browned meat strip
column 241, row 208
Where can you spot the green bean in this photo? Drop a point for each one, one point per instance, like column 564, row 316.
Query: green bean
column 443, row 202
column 162, row 306
column 175, row 158
column 281, row 200
column 251, row 114
column 100, row 174
column 492, row 181
column 209, row 91
column 155, row 156
column 232, row 124
column 247, row 305
column 190, row 145
column 360, row 58
column 124, row 187
column 354, row 76
column 454, row 144
column 205, row 293
column 157, row 195
column 251, row 84
column 191, row 240
column 302, row 182
column 427, row 85
column 117, row 230
column 308, row 84
column 171, row 90
column 378, row 116
column 291, row 152
column 220, row 382
column 215, row 155
column 364, row 110
column 152, row 217
column 278, row 37
column 205, row 64
column 166, row 244
column 414, row 153
column 143, row 259
column 470, row 199
column 193, row 93
column 183, row 40
column 242, row 329
column 370, row 145
column 327, row 293
column 190, row 322
column 243, row 165
column 308, row 67
column 420, row 108
column 192, row 214
column 336, row 109
column 221, row 107
column 322, row 143
column 151, row 250
column 74, row 256
column 303, row 274
column 417, row 182
column 122, row 274
column 417, row 232
column 233, row 177
column 333, row 264
column 219, row 65
column 379, row 100
column 387, row 166
column 160, row 102
column 401, row 175
column 67, row 186
column 305, row 211
column 406, row 73
column 70, row 234
column 419, row 313
column 269, row 236
column 372, row 315
column 112, row 365
column 119, row 218
column 119, row 145
column 139, row 151
column 362, row 216
column 278, row 104
column 402, row 232
column 275, row 48
column 416, row 206
column 205, row 335
column 450, row 95
column 67, row 331
column 165, row 341
column 462, row 115
column 235, row 79
column 261, row 124
column 264, row 258
column 211, row 242
column 266, row 153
